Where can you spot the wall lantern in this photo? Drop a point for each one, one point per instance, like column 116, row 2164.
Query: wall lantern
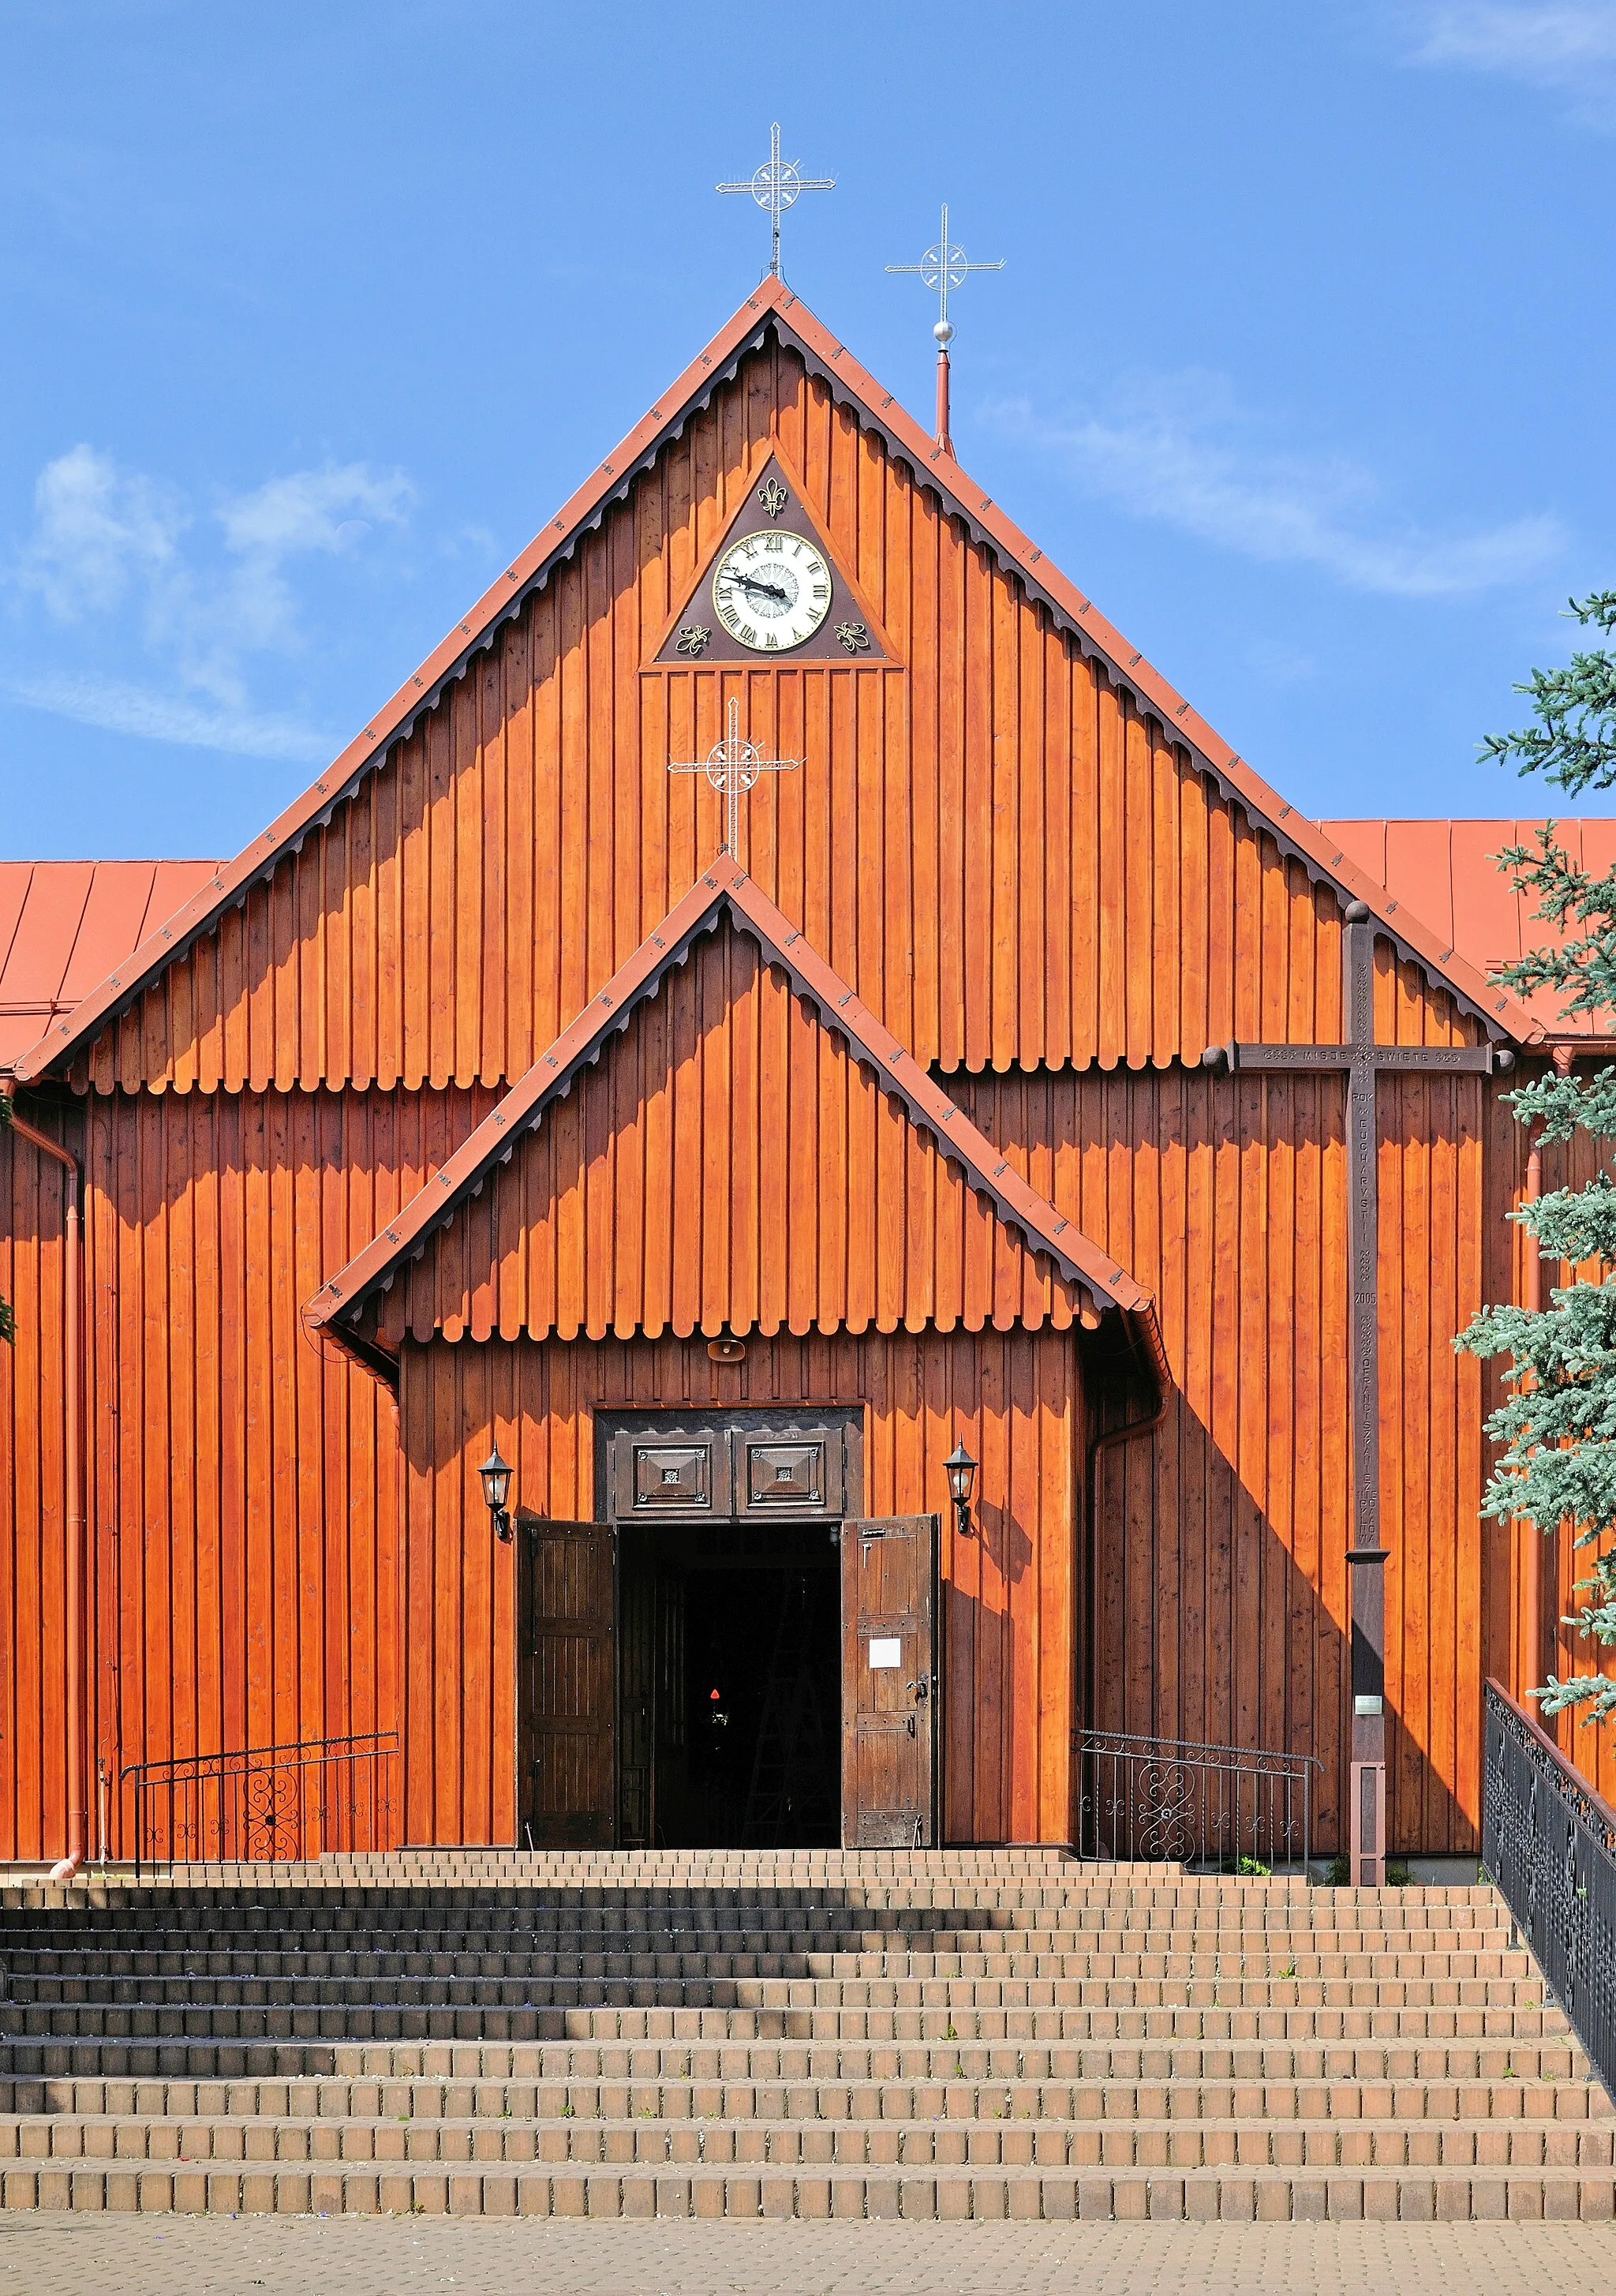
column 961, row 1471
column 496, row 1489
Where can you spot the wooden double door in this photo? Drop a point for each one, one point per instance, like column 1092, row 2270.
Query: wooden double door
column 762, row 1491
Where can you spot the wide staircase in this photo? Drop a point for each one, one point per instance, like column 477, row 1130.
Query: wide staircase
column 915, row 2035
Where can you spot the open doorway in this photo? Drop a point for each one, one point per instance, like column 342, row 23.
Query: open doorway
column 728, row 1685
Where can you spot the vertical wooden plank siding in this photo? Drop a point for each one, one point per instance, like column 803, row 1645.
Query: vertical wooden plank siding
column 32, row 1486
column 1014, row 1397
column 242, row 1492
column 1220, row 1581
column 1034, row 887
column 1010, row 864
column 243, row 1481
column 760, row 1080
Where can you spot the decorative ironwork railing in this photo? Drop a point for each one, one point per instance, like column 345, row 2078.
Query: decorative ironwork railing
column 263, row 1802
column 1548, row 1841
column 1170, row 1798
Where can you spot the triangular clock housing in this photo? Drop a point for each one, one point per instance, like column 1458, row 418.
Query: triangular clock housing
column 850, row 633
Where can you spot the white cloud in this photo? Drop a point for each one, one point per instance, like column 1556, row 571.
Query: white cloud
column 96, row 529
column 1545, row 42
column 193, row 599
column 315, row 510
column 159, row 716
column 1564, row 44
column 1181, row 452
column 253, row 609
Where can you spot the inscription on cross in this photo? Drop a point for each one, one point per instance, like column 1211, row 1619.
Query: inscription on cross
column 1364, row 1062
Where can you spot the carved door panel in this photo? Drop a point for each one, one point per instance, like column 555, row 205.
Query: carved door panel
column 798, row 1474
column 892, row 1681
column 566, row 1685
column 672, row 1476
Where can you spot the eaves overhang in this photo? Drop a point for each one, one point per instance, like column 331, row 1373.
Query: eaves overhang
column 723, row 891
column 774, row 306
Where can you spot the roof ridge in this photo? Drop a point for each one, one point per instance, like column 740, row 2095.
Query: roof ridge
column 771, row 302
column 723, row 886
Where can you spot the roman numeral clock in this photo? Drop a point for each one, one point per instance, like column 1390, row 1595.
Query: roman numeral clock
column 772, row 591
column 773, row 586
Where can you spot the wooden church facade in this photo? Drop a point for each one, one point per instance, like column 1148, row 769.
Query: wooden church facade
column 483, row 1102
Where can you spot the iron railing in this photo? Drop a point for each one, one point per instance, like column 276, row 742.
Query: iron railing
column 1548, row 1841
column 1198, row 1805
column 263, row 1802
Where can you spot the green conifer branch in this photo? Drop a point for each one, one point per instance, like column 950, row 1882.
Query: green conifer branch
column 1557, row 1426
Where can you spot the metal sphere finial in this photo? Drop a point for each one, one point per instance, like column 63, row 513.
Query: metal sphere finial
column 943, row 265
column 944, row 331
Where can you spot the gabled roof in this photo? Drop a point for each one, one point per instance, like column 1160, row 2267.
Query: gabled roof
column 722, row 890
column 774, row 305
column 64, row 926
column 1450, row 868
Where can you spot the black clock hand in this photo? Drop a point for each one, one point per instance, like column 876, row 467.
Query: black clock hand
column 769, row 589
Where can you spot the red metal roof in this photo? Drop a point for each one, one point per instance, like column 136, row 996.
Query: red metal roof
column 776, row 304
column 65, row 924
column 1448, row 870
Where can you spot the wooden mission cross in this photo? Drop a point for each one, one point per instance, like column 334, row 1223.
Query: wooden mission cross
column 1364, row 1062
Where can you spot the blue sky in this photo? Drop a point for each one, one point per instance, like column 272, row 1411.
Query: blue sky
column 311, row 316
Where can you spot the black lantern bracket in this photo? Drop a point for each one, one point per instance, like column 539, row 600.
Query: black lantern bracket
column 961, row 1471
column 495, row 1477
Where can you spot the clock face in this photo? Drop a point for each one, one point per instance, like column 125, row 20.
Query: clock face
column 771, row 590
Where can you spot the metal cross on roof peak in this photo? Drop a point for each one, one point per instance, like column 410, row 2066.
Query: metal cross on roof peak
column 941, row 266
column 731, row 766
column 778, row 186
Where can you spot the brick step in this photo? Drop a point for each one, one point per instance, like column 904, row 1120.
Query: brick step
column 1417, row 2195
column 944, row 1902
column 807, row 1955
column 962, row 1926
column 269, row 1886
column 634, row 2015
column 1342, row 1908
column 797, row 2062
column 335, row 2100
column 882, row 1870
column 531, row 1980
column 808, row 1998
column 264, row 1884
column 1001, row 1857
column 947, row 1908
column 792, row 2144
column 865, row 2034
column 806, row 1952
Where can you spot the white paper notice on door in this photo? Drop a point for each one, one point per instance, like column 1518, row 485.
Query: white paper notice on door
column 885, row 1651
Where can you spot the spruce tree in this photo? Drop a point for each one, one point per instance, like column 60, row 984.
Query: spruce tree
column 1557, row 1426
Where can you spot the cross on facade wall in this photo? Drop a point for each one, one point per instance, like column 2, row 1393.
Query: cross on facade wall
column 1364, row 1062
column 731, row 766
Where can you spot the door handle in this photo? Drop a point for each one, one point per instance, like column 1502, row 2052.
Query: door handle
column 919, row 1691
